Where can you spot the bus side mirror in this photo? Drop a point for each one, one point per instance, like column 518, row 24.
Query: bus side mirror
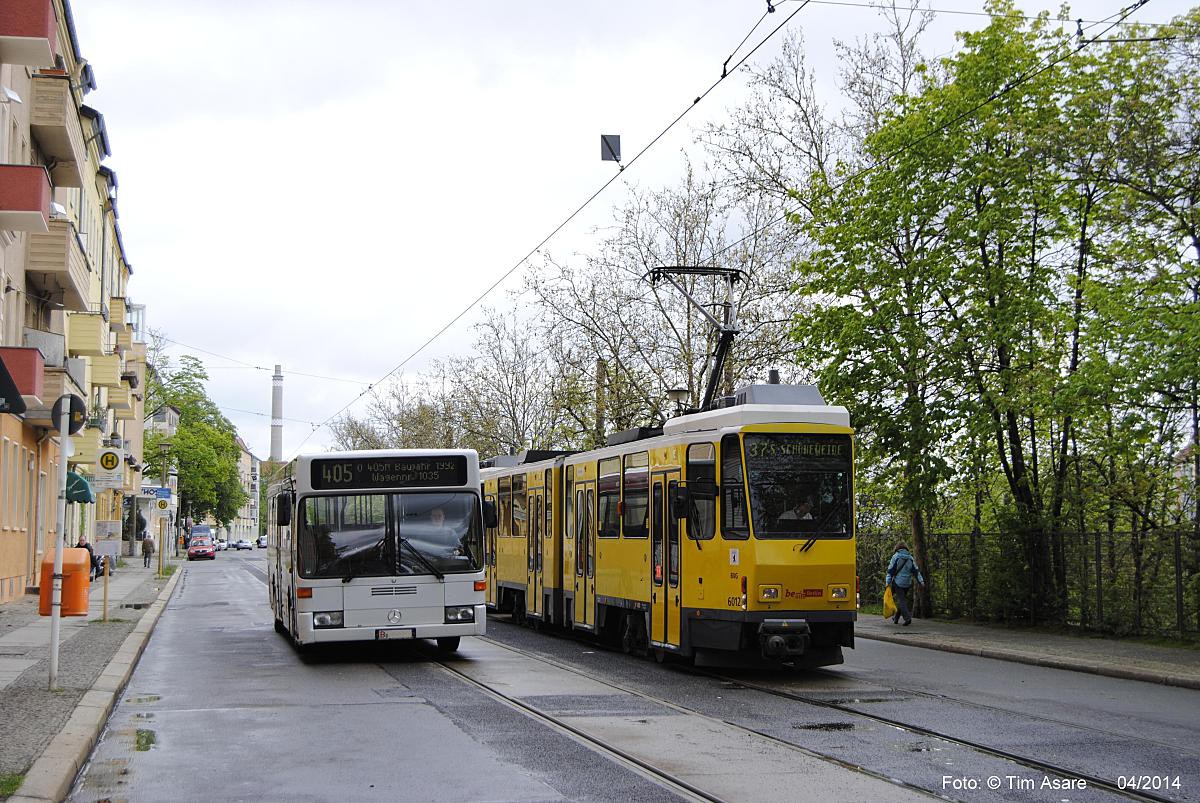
column 490, row 519
column 283, row 510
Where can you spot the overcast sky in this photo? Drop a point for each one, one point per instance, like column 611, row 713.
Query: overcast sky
column 325, row 185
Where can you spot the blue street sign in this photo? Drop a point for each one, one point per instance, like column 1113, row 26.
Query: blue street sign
column 162, row 493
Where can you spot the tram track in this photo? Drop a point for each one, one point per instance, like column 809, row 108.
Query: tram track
column 1025, row 761
column 666, row 778
column 1023, row 714
column 1093, row 781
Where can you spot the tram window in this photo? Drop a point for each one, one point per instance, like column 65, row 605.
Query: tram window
column 610, row 495
column 505, row 505
column 581, row 532
column 702, row 475
column 568, row 511
column 548, row 528
column 634, row 495
column 734, row 524
column 656, row 534
column 591, row 557
column 520, row 517
column 491, row 537
column 672, row 543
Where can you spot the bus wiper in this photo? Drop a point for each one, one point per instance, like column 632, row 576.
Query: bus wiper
column 421, row 557
column 349, row 569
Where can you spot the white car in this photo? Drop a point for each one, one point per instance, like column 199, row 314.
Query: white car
column 222, row 544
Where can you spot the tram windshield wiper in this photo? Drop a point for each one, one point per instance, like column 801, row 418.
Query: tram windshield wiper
column 420, row 556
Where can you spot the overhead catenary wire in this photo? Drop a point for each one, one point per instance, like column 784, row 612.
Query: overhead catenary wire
column 290, row 371
column 725, row 72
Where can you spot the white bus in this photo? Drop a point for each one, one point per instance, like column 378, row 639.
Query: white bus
column 378, row 545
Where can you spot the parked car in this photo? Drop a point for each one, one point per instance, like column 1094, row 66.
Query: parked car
column 200, row 548
column 222, row 544
column 262, row 542
column 242, row 543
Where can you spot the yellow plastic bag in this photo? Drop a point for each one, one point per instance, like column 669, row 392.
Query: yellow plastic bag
column 889, row 604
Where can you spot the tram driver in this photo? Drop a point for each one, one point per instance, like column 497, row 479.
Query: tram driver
column 800, row 511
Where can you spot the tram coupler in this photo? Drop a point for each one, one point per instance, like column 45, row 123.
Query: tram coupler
column 782, row 638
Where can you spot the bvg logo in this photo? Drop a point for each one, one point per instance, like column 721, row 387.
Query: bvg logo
column 808, row 592
column 109, row 461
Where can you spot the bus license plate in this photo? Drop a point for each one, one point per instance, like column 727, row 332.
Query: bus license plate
column 383, row 634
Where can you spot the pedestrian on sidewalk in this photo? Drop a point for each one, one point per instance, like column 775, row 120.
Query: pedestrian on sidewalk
column 900, row 573
column 147, row 549
column 82, row 543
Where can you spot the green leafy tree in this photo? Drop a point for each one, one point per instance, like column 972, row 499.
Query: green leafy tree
column 204, row 448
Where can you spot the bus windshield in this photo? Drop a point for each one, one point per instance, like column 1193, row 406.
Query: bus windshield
column 799, row 485
column 385, row 534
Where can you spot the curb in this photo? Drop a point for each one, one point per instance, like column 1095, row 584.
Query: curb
column 53, row 773
column 1049, row 661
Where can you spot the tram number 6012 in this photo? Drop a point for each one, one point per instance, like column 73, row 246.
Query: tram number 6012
column 337, row 473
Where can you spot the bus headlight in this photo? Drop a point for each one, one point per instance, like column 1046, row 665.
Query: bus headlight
column 460, row 613
column 839, row 592
column 327, row 619
column 769, row 593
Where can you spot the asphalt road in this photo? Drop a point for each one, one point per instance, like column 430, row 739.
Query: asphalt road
column 221, row 707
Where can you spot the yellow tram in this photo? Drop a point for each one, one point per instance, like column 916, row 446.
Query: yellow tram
column 726, row 537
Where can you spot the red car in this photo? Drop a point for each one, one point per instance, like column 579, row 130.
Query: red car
column 201, row 548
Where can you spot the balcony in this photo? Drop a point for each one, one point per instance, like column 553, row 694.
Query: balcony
column 28, row 33
column 57, row 381
column 125, row 340
column 27, row 369
column 56, row 264
column 87, row 334
column 106, row 370
column 24, row 197
column 120, row 401
column 87, row 446
column 117, row 314
column 54, row 123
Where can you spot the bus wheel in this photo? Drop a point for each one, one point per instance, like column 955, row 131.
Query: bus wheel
column 280, row 627
column 448, row 644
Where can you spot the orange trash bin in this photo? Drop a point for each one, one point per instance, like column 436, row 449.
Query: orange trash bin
column 77, row 571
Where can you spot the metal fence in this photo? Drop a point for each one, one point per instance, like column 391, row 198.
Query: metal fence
column 1135, row 583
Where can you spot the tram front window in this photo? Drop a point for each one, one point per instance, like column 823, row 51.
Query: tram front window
column 378, row 535
column 799, row 485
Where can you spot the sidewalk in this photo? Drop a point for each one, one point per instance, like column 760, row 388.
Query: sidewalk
column 57, row 729
column 1119, row 658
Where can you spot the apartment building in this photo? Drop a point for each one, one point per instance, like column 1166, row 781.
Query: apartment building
column 246, row 523
column 66, row 324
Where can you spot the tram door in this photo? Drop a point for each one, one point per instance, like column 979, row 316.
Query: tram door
column 664, row 555
column 533, row 552
column 585, row 555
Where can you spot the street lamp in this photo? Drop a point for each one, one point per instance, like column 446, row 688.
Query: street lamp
column 677, row 396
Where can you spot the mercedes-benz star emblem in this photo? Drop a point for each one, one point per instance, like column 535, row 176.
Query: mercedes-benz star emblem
column 393, row 616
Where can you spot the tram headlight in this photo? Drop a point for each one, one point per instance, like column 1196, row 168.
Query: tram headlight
column 327, row 619
column 460, row 613
column 769, row 593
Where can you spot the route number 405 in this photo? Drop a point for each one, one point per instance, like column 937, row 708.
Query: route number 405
column 337, row 473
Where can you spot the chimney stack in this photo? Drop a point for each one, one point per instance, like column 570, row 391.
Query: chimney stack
column 277, row 415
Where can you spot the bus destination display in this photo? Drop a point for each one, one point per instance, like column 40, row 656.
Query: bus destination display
column 389, row 472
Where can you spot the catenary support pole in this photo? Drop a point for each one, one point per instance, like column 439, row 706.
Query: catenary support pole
column 60, row 530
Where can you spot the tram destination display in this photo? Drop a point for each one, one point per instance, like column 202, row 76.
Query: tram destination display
column 389, row 472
